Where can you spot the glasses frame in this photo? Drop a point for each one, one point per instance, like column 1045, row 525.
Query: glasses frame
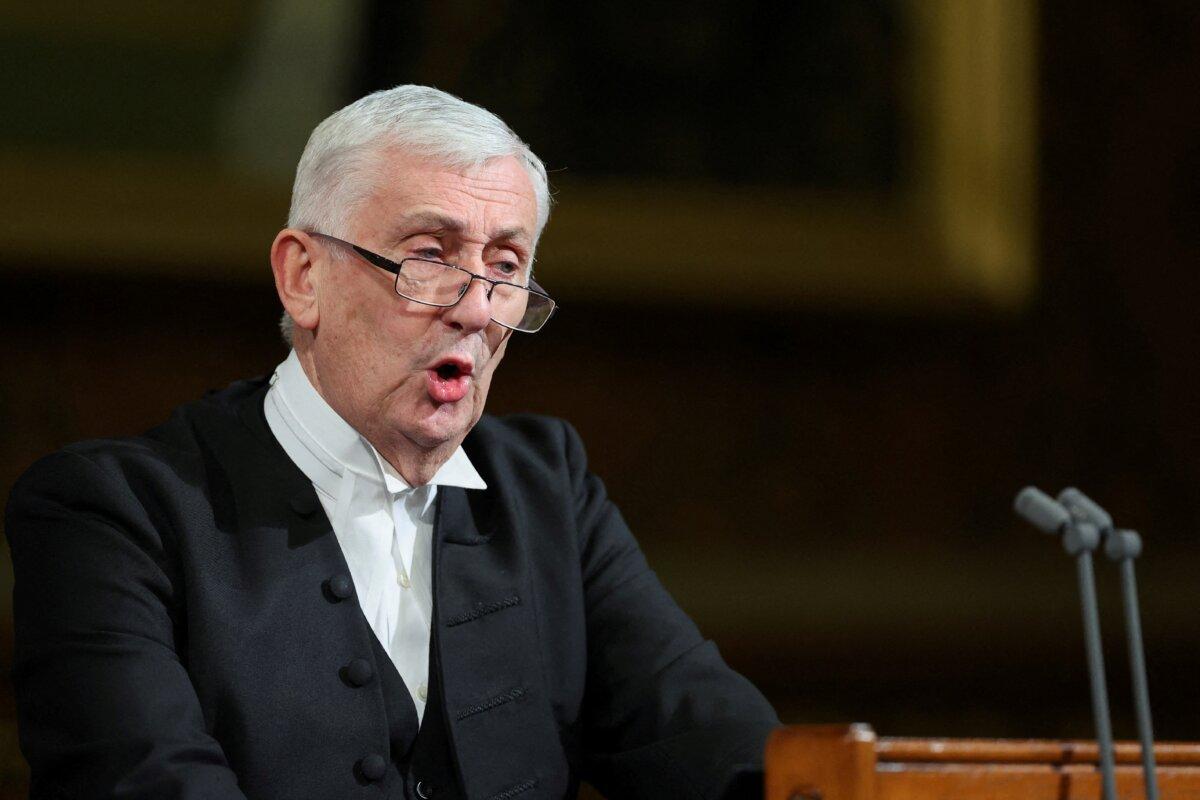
column 395, row 267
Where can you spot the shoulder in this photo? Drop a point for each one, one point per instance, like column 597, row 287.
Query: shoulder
column 172, row 452
column 526, row 441
column 540, row 458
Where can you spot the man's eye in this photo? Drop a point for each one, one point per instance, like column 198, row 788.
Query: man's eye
column 508, row 268
column 431, row 253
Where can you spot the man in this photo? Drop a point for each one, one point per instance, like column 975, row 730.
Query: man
column 344, row 581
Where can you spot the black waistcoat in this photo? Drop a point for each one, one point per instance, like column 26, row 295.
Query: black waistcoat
column 422, row 762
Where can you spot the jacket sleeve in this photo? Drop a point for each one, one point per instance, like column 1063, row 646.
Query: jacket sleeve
column 105, row 707
column 665, row 716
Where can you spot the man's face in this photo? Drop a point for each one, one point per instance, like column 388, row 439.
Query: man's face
column 399, row 372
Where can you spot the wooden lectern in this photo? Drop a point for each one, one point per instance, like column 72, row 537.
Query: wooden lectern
column 848, row 762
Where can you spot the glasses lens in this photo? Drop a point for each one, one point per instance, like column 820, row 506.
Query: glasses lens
column 526, row 311
column 429, row 282
column 442, row 285
column 536, row 314
column 509, row 304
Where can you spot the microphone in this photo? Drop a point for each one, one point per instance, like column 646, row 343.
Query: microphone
column 1079, row 539
column 1085, row 509
column 1038, row 509
column 1123, row 547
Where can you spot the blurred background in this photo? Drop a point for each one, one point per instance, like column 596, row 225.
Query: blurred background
column 837, row 278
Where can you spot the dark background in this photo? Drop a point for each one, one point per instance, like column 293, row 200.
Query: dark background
column 825, row 486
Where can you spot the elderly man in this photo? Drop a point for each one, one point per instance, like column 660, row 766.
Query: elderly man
column 345, row 581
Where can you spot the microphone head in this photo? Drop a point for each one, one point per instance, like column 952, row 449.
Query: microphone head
column 1120, row 545
column 1040, row 510
column 1084, row 509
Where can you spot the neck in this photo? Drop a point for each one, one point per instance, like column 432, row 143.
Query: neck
column 415, row 464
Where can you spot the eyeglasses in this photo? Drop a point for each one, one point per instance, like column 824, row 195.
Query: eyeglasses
column 433, row 283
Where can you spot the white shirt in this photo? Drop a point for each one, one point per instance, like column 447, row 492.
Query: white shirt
column 383, row 525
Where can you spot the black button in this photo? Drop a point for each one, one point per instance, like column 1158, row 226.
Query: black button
column 372, row 767
column 359, row 672
column 424, row 790
column 340, row 587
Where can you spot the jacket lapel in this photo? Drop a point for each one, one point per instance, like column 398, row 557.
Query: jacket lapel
column 498, row 713
column 286, row 535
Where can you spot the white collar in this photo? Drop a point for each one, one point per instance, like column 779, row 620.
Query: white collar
column 331, row 446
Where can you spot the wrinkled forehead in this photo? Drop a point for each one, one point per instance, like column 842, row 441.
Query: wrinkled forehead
column 496, row 196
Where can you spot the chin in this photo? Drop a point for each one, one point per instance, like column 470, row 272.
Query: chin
column 445, row 424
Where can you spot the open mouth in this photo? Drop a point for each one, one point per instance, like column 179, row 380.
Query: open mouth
column 448, row 370
column 449, row 380
column 452, row 368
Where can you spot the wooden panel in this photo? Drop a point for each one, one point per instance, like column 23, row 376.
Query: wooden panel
column 1023, row 782
column 834, row 762
column 1017, row 751
column 1174, row 783
column 850, row 763
column 925, row 782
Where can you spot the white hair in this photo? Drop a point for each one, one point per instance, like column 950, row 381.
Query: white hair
column 342, row 161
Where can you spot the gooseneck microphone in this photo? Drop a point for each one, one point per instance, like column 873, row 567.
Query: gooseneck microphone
column 1079, row 539
column 1123, row 547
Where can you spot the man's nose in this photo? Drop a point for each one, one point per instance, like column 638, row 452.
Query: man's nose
column 473, row 311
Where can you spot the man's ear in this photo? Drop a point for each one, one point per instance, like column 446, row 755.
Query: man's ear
column 291, row 263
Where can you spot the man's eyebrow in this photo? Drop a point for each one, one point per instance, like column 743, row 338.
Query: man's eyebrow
column 426, row 220
column 407, row 224
column 514, row 234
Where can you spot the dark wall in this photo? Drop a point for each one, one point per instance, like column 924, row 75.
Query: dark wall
column 827, row 493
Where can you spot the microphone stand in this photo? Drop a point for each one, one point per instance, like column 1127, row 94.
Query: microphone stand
column 1079, row 539
column 1123, row 547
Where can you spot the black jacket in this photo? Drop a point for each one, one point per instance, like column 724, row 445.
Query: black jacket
column 177, row 635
